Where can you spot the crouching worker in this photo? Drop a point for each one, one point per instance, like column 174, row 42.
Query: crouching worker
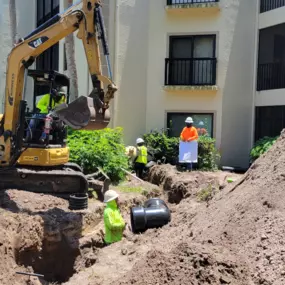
column 113, row 221
column 141, row 159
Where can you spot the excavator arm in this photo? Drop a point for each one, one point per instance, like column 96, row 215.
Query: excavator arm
column 85, row 112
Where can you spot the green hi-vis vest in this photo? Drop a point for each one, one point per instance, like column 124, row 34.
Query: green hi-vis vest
column 142, row 155
column 114, row 223
column 43, row 103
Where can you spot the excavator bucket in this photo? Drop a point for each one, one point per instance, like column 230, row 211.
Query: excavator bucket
column 82, row 115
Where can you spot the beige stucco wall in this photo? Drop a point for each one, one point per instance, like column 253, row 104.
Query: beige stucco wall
column 271, row 18
column 270, row 98
column 5, row 41
column 162, row 25
column 130, row 44
column 141, row 46
column 239, row 82
column 25, row 24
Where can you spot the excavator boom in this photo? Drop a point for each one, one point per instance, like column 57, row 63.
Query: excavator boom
column 85, row 112
column 45, row 168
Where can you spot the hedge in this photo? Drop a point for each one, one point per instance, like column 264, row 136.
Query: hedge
column 104, row 148
column 165, row 146
column 261, row 146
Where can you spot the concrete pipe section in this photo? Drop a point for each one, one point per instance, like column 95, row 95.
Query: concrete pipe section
column 154, row 214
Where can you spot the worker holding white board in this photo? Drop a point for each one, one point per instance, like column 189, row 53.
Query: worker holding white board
column 188, row 147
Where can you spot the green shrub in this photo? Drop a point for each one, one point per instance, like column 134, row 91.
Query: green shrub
column 161, row 145
column 208, row 155
column 164, row 146
column 104, row 148
column 261, row 146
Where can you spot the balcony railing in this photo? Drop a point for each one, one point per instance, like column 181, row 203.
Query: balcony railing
column 267, row 5
column 187, row 2
column 271, row 76
column 190, row 71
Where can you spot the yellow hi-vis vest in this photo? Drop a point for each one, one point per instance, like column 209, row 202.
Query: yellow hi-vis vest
column 142, row 154
column 43, row 103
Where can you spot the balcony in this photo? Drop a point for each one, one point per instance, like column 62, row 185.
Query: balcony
column 190, row 74
column 192, row 5
column 271, row 76
column 268, row 5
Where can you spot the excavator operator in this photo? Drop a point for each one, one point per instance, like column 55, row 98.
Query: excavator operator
column 58, row 96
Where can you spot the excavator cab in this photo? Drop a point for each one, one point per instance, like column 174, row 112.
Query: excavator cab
column 36, row 134
column 44, row 81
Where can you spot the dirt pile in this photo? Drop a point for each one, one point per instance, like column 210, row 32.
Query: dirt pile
column 220, row 233
column 250, row 218
column 39, row 234
column 182, row 185
column 187, row 263
column 237, row 237
column 38, row 237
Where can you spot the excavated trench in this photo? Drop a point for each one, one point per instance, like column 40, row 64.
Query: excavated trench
column 44, row 237
column 56, row 257
column 47, row 242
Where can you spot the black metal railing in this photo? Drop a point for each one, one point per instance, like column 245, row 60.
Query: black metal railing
column 271, row 76
column 190, row 71
column 267, row 5
column 180, row 2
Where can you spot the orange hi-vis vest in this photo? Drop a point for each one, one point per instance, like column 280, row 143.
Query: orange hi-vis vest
column 189, row 133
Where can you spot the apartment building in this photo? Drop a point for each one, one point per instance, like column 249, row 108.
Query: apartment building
column 219, row 61
column 184, row 58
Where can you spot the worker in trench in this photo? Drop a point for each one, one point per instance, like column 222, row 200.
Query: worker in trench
column 113, row 220
column 189, row 134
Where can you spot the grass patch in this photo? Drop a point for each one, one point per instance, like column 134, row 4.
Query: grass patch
column 206, row 194
column 130, row 189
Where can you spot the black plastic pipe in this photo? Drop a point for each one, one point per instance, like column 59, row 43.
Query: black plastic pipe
column 154, row 214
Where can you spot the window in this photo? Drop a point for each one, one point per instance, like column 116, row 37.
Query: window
column 192, row 60
column 176, row 122
column 269, row 121
column 46, row 9
column 271, row 58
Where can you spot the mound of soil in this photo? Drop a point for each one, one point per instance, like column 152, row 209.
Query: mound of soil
column 39, row 234
column 187, row 263
column 250, row 218
column 181, row 185
column 237, row 237
column 220, row 233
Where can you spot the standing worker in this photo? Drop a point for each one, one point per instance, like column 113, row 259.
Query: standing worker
column 113, row 221
column 141, row 159
column 189, row 134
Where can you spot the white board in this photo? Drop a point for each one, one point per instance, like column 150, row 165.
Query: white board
column 188, row 152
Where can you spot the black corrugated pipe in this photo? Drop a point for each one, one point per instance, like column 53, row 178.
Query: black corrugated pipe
column 154, row 214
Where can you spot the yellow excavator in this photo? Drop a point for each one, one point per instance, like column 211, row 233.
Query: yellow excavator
column 38, row 166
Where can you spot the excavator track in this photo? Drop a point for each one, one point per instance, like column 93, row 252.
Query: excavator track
column 61, row 181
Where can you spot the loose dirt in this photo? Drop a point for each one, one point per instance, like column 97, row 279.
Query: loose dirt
column 220, row 232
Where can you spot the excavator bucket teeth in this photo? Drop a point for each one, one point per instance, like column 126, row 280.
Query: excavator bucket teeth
column 81, row 114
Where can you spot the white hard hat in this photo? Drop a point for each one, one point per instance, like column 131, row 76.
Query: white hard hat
column 189, row 120
column 110, row 195
column 62, row 90
column 139, row 140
